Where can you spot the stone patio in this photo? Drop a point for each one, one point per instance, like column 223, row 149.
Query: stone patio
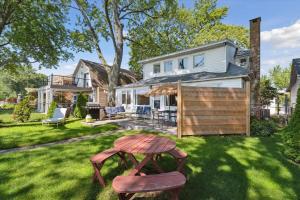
column 138, row 124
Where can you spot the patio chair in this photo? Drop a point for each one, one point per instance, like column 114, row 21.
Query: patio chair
column 57, row 118
column 99, row 159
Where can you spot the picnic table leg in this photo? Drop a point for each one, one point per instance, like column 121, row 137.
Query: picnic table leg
column 140, row 165
column 156, row 166
column 98, row 174
column 133, row 159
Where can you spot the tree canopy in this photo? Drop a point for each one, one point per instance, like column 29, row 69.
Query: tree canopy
column 280, row 76
column 267, row 91
column 13, row 83
column 33, row 32
column 108, row 22
column 180, row 28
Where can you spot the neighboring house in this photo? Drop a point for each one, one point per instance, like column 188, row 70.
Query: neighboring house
column 218, row 64
column 88, row 77
column 294, row 81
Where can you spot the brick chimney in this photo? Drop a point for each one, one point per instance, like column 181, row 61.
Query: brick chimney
column 255, row 60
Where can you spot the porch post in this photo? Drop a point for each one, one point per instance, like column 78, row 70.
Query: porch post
column 47, row 101
column 42, row 101
column 179, row 110
column 38, row 101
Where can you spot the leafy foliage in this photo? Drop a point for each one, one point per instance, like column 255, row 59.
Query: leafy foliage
column 280, row 76
column 33, row 31
column 291, row 135
column 23, row 110
column 180, row 28
column 51, row 109
column 80, row 111
column 262, row 127
column 267, row 92
column 15, row 82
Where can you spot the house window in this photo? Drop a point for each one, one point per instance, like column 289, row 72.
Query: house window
column 171, row 100
column 156, row 68
column 168, row 66
column 123, row 97
column 182, row 63
column 243, row 61
column 198, row 60
column 142, row 99
column 126, row 97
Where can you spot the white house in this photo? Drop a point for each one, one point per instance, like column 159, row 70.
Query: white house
column 294, row 81
column 88, row 77
column 218, row 64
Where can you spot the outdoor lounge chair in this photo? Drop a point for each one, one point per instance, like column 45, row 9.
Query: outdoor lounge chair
column 58, row 117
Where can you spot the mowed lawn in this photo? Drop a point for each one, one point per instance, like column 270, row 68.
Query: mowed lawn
column 217, row 168
column 14, row 134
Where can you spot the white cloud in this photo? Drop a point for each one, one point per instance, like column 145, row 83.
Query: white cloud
column 284, row 37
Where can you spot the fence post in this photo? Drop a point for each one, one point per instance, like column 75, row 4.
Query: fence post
column 179, row 110
column 247, row 88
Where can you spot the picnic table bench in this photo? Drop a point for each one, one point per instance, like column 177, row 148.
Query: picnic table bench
column 127, row 186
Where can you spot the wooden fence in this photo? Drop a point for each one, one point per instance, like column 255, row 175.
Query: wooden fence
column 213, row 111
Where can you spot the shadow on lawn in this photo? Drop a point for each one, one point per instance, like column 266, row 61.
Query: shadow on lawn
column 217, row 168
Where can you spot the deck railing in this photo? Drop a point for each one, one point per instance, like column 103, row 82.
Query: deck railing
column 67, row 81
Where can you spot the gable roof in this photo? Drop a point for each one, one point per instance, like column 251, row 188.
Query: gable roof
column 207, row 46
column 294, row 72
column 99, row 75
column 232, row 71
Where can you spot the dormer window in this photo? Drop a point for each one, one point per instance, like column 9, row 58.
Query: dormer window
column 168, row 66
column 243, row 61
column 198, row 60
column 156, row 68
column 182, row 63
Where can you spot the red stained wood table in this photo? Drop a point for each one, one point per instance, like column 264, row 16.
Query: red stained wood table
column 148, row 145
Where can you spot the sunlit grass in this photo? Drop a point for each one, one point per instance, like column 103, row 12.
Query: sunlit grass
column 217, row 168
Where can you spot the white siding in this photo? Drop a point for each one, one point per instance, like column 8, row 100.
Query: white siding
column 294, row 90
column 80, row 75
column 230, row 83
column 215, row 60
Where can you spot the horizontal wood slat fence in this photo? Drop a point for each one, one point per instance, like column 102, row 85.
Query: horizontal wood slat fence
column 213, row 111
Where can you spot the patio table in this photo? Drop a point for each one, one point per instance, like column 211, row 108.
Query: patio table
column 146, row 144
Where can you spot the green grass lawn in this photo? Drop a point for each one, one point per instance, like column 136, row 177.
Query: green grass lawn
column 218, row 168
column 13, row 134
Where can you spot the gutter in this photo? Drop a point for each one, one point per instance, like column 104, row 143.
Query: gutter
column 203, row 80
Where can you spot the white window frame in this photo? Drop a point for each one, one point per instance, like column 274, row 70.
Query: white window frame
column 194, row 66
column 156, row 64
column 183, row 58
column 168, row 62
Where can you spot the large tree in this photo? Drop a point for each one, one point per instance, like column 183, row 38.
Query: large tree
column 33, row 32
column 15, row 82
column 280, row 76
column 182, row 28
column 109, row 22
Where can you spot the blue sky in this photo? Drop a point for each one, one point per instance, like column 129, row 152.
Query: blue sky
column 280, row 32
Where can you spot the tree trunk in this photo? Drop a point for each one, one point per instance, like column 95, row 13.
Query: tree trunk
column 113, row 74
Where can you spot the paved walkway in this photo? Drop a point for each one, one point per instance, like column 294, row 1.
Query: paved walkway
column 66, row 141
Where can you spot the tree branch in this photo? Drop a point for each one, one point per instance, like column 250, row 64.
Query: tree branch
column 111, row 30
column 138, row 11
column 94, row 34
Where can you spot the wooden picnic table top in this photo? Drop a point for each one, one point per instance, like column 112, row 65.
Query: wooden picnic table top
column 144, row 144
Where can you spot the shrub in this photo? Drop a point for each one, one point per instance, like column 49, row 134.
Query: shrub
column 22, row 110
column 80, row 110
column 262, row 127
column 51, row 109
column 291, row 134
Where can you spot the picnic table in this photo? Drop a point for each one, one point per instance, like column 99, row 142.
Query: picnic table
column 148, row 145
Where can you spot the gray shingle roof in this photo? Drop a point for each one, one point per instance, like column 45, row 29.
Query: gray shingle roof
column 233, row 70
column 296, row 64
column 243, row 53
